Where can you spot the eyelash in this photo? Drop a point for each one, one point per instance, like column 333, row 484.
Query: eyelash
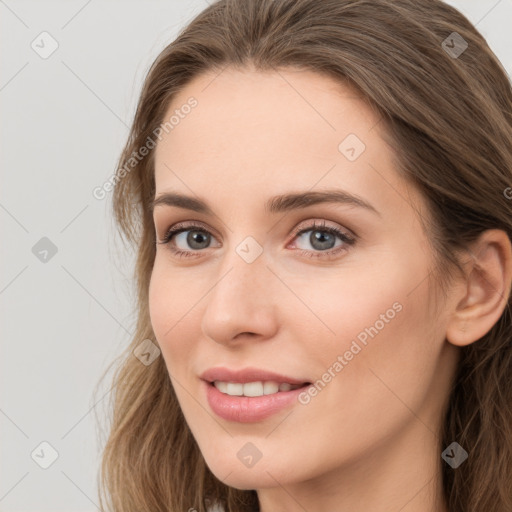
column 179, row 228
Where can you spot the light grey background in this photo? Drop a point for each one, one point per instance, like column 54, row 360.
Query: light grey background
column 64, row 121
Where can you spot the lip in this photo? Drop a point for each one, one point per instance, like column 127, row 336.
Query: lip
column 245, row 375
column 249, row 409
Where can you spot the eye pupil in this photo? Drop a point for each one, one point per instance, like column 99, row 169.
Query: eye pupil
column 326, row 239
column 197, row 237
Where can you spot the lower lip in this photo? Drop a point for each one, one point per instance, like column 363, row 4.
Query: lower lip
column 247, row 409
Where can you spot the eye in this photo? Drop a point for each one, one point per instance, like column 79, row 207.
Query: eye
column 323, row 239
column 194, row 235
column 197, row 237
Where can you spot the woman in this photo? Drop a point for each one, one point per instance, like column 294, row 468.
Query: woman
column 317, row 193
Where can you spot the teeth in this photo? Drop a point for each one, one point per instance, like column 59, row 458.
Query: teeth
column 270, row 388
column 253, row 388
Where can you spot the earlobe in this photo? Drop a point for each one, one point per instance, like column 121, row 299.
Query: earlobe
column 485, row 293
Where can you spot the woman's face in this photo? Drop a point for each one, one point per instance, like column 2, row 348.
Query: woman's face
column 343, row 305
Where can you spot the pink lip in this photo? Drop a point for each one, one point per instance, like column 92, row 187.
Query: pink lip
column 247, row 375
column 248, row 409
column 245, row 409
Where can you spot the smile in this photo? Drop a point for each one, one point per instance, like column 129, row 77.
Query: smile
column 259, row 388
column 253, row 407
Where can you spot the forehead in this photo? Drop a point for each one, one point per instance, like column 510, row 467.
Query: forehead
column 252, row 131
column 266, row 112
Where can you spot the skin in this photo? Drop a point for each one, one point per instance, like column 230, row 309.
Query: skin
column 369, row 440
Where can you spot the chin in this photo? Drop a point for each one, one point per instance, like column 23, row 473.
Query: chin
column 246, row 480
column 261, row 475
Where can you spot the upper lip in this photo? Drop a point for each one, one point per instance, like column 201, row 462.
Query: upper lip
column 245, row 375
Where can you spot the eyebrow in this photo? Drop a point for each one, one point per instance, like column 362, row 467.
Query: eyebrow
column 276, row 204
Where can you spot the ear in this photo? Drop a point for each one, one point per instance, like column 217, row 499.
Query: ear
column 482, row 297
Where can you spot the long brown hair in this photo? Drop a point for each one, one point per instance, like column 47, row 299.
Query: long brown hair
column 446, row 106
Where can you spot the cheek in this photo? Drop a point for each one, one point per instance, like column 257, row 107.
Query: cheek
column 159, row 307
column 355, row 306
column 170, row 311
column 384, row 351
column 373, row 318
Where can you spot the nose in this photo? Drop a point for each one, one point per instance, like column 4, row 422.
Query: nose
column 240, row 305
